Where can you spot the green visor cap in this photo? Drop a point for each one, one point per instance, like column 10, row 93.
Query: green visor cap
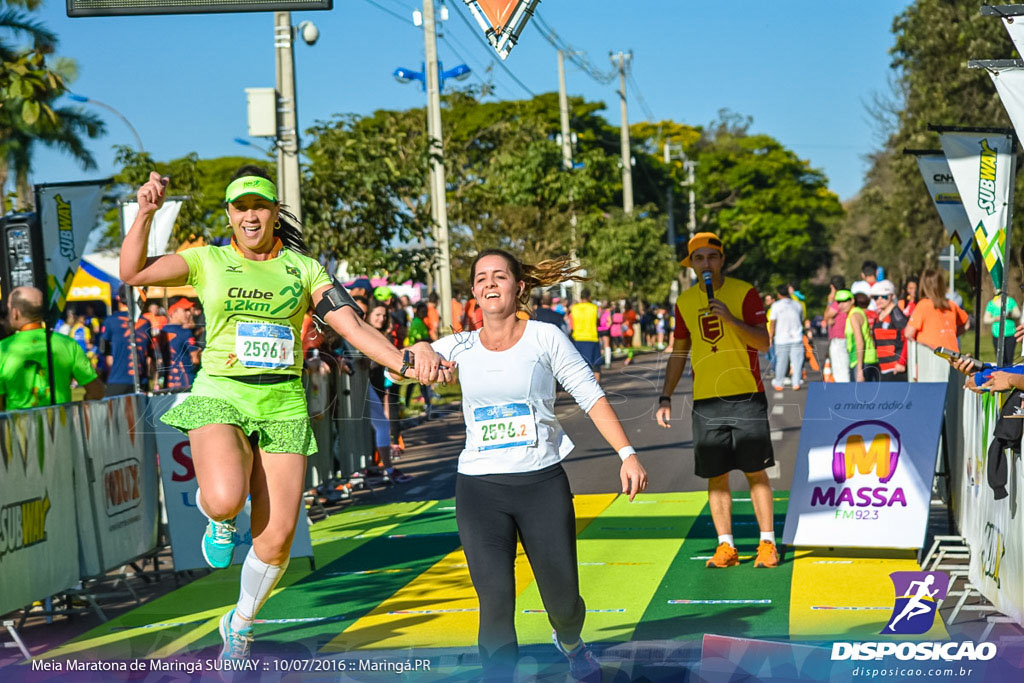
column 251, row 184
column 843, row 295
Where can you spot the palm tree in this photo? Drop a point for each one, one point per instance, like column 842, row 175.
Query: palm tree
column 28, row 88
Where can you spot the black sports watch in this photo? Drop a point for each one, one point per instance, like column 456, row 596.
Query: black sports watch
column 408, row 360
column 664, row 399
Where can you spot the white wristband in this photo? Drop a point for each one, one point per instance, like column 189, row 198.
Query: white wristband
column 626, row 451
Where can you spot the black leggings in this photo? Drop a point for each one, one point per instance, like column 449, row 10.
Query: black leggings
column 491, row 511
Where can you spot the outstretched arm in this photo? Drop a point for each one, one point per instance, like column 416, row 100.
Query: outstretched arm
column 428, row 367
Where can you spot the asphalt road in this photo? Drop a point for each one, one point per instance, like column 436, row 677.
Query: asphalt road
column 667, row 454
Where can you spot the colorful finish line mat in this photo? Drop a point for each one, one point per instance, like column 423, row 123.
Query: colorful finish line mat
column 394, row 578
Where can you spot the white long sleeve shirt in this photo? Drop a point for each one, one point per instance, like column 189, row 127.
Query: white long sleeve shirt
column 508, row 398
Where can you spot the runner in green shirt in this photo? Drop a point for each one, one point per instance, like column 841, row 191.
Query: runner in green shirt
column 246, row 415
column 24, row 377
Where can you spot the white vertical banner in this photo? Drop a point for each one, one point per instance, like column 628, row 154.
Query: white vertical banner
column 982, row 165
column 68, row 212
column 1015, row 27
column 941, row 188
column 163, row 223
column 38, row 531
column 186, row 524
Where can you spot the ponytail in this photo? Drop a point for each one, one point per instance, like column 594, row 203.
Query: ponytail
column 542, row 274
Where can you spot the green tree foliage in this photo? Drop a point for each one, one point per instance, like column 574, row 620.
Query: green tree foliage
column 771, row 209
column 628, row 255
column 364, row 195
column 892, row 220
column 202, row 181
column 30, row 83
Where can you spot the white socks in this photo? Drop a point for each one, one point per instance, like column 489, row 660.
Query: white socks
column 258, row 581
column 726, row 538
column 768, row 536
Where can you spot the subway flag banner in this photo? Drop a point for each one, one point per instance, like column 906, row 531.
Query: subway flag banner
column 941, row 188
column 67, row 213
column 982, row 165
column 865, row 464
column 38, row 532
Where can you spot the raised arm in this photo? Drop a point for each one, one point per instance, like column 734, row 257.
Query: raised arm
column 136, row 269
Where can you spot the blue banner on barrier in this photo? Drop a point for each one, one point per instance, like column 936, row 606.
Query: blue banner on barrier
column 865, row 465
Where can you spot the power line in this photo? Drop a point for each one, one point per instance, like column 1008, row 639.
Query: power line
column 640, row 97
column 463, row 60
column 575, row 56
column 488, row 48
column 396, row 15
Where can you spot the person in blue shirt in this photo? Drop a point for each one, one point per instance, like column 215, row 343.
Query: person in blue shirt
column 178, row 340
column 115, row 343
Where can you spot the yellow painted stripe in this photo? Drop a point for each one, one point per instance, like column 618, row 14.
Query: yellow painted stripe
column 823, row 578
column 623, row 560
column 445, row 586
column 332, row 538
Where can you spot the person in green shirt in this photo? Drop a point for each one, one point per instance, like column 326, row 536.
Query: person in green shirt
column 24, row 376
column 246, row 415
column 1004, row 355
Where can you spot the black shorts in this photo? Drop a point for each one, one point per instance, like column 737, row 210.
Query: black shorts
column 731, row 434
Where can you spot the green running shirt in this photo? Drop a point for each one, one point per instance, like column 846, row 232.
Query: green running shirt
column 24, row 377
column 254, row 309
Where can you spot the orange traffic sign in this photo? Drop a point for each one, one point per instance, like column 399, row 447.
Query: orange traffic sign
column 502, row 21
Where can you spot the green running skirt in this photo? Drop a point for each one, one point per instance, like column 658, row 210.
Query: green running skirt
column 275, row 412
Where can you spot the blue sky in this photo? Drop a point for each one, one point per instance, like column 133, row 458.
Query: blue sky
column 803, row 70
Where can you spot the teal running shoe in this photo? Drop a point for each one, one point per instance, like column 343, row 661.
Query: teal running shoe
column 219, row 543
column 236, row 643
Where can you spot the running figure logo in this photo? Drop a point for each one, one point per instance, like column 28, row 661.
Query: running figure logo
column 917, row 596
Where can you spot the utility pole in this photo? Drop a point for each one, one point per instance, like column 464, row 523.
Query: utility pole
column 669, row 201
column 288, row 181
column 627, row 158
column 563, row 108
column 438, row 205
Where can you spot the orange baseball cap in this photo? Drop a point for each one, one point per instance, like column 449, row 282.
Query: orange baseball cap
column 699, row 241
column 180, row 303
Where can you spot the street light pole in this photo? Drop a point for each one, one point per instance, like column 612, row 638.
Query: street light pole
column 135, row 133
column 439, row 208
column 288, row 180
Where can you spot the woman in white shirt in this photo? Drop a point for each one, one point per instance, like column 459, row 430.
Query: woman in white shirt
column 510, row 478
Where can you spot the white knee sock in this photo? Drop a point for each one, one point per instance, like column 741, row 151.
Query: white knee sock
column 200, row 505
column 258, row 581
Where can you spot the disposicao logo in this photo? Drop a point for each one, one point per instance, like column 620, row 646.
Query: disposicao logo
column 868, row 448
column 917, row 598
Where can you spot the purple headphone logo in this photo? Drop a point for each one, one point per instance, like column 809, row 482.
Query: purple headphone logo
column 850, row 454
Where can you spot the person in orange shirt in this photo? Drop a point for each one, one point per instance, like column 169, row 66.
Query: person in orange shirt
column 936, row 321
column 433, row 319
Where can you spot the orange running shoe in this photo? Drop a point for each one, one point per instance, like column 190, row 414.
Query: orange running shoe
column 767, row 556
column 725, row 556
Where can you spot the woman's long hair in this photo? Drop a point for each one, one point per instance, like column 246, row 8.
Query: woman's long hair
column 288, row 228
column 933, row 286
column 542, row 274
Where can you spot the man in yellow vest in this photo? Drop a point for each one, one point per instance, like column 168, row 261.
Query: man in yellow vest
column 583, row 318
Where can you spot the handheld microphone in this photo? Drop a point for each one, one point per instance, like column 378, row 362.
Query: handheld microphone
column 707, row 285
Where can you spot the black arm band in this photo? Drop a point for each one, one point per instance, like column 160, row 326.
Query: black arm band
column 335, row 298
